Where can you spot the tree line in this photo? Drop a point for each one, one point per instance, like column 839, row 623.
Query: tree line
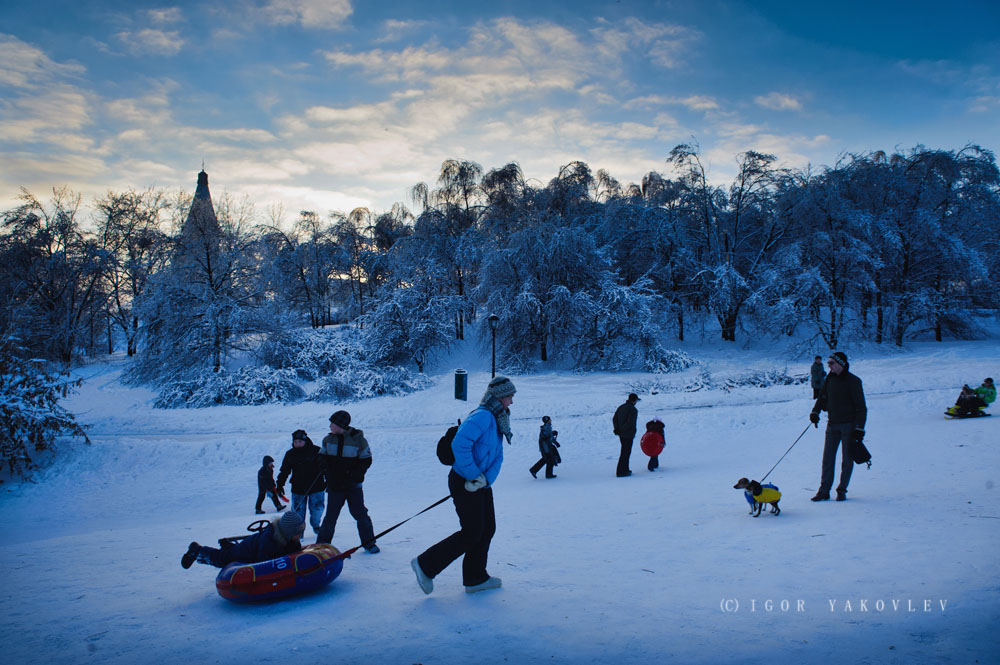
column 582, row 269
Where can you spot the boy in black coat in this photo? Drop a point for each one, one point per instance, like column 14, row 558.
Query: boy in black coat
column 302, row 462
column 283, row 536
column 265, row 485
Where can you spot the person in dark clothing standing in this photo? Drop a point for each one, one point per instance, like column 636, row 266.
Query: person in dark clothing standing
column 816, row 376
column 624, row 426
column 478, row 448
column 546, row 446
column 302, row 462
column 283, row 536
column 346, row 458
column 843, row 398
column 266, row 487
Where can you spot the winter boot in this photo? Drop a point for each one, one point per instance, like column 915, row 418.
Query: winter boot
column 821, row 496
column 373, row 548
column 491, row 583
column 260, row 512
column 841, row 495
column 190, row 556
column 426, row 583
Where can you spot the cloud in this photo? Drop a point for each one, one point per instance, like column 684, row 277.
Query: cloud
column 151, row 41
column 317, row 14
column 777, row 101
column 165, row 15
column 984, row 104
column 28, row 67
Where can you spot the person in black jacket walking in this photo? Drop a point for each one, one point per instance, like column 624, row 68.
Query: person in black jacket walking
column 843, row 398
column 624, row 426
column 547, row 447
column 303, row 463
column 265, row 485
column 346, row 457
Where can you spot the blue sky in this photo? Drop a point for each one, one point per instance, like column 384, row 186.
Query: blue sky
column 334, row 104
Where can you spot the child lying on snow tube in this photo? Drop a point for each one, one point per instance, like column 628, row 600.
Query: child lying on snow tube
column 283, row 536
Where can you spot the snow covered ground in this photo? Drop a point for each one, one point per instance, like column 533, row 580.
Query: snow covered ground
column 658, row 567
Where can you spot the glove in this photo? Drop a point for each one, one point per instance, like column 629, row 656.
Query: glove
column 477, row 484
column 859, row 436
column 814, row 418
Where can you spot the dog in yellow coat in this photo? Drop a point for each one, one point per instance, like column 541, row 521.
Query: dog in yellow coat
column 757, row 495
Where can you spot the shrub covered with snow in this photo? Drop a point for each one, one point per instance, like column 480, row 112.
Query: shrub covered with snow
column 30, row 414
column 248, row 385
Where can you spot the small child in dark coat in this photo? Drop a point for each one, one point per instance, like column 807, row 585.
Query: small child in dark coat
column 653, row 442
column 266, row 486
column 283, row 536
column 547, row 445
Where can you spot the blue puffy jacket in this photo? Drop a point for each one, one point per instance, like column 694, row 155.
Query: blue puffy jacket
column 478, row 447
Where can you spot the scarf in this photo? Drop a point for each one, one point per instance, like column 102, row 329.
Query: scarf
column 500, row 412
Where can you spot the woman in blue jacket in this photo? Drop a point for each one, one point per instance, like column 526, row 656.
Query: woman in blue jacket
column 478, row 448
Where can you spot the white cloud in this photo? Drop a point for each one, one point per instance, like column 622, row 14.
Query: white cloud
column 26, row 66
column 308, row 13
column 777, row 101
column 151, row 41
column 165, row 15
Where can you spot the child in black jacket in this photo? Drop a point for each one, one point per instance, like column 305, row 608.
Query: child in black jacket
column 265, row 485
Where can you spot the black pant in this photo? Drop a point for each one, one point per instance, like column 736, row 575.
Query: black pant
column 546, row 461
column 837, row 435
column 355, row 498
column 654, row 463
column 478, row 523
column 274, row 497
column 626, row 454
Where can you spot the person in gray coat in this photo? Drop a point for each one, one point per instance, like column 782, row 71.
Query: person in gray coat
column 816, row 376
column 843, row 399
column 624, row 426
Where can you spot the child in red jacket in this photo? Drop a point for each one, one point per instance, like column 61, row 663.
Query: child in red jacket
column 653, row 443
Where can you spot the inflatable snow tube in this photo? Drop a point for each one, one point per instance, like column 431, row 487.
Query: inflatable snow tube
column 652, row 443
column 312, row 568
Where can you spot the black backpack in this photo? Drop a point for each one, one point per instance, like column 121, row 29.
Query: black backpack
column 444, row 452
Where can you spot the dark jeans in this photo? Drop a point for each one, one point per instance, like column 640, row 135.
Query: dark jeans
column 969, row 403
column 626, row 454
column 546, row 461
column 274, row 497
column 837, row 435
column 478, row 523
column 216, row 557
column 355, row 498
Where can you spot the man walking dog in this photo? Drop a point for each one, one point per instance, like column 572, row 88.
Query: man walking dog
column 843, row 398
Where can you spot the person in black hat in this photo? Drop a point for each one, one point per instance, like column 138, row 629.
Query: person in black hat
column 843, row 398
column 624, row 423
column 265, row 485
column 302, row 463
column 282, row 536
column 547, row 447
column 346, row 458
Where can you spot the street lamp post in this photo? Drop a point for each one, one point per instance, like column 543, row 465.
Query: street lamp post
column 493, row 319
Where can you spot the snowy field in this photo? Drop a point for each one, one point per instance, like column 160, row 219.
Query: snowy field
column 662, row 567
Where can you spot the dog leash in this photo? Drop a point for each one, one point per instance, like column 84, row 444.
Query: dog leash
column 786, row 452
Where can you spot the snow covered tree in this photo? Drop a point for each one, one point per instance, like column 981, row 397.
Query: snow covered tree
column 50, row 274
column 130, row 230
column 31, row 417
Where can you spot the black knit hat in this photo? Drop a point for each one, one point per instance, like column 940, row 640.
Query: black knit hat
column 268, row 460
column 841, row 358
column 341, row 419
column 299, row 434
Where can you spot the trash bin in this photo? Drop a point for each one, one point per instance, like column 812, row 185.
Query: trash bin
column 461, row 384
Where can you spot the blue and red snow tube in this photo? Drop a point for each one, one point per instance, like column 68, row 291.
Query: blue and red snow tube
column 312, row 568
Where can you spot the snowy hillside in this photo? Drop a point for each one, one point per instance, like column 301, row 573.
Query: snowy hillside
column 658, row 567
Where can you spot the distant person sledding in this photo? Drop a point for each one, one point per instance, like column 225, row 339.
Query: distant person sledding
column 972, row 402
